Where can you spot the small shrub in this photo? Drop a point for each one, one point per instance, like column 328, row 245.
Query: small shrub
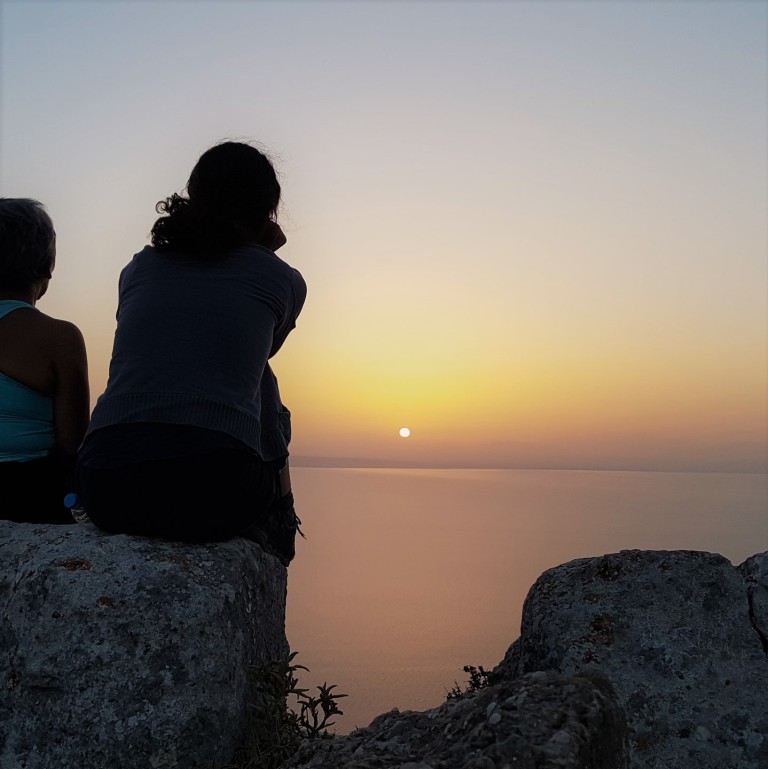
column 478, row 679
column 284, row 715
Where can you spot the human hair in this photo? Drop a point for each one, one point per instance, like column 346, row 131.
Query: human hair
column 231, row 194
column 27, row 243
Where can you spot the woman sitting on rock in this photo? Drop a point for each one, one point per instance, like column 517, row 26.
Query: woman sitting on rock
column 189, row 441
column 44, row 400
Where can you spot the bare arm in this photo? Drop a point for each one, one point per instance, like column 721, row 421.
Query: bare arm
column 71, row 394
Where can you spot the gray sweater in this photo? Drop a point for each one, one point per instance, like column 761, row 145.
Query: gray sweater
column 193, row 341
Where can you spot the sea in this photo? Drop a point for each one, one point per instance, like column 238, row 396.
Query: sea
column 405, row 576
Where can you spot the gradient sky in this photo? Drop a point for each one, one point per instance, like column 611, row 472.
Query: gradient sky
column 533, row 232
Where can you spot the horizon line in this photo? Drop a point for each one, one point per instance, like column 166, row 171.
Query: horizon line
column 358, row 463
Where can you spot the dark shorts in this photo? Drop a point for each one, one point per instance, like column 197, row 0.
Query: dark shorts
column 33, row 492
column 210, row 494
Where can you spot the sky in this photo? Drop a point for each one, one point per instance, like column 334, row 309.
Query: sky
column 534, row 233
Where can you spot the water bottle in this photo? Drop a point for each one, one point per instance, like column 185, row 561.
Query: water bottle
column 72, row 501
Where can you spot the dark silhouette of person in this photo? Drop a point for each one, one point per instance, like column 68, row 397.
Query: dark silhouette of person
column 44, row 397
column 189, row 440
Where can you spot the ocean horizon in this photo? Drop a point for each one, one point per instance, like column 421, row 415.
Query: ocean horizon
column 758, row 466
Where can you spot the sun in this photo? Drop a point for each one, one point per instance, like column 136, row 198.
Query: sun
column 404, row 432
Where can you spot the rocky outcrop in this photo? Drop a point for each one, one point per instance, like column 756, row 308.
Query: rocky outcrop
column 637, row 659
column 125, row 652
column 681, row 635
column 539, row 721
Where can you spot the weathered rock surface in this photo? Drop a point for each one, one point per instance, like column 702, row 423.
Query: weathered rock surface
column 126, row 652
column 681, row 635
column 539, row 721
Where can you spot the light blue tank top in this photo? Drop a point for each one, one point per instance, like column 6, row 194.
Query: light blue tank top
column 26, row 416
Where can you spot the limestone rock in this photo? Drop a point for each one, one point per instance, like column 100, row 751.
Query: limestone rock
column 540, row 721
column 126, row 652
column 673, row 632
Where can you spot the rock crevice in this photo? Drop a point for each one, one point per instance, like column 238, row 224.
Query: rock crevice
column 755, row 572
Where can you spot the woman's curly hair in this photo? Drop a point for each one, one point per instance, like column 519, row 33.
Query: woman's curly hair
column 231, row 194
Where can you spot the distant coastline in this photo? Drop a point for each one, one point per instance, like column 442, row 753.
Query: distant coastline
column 351, row 463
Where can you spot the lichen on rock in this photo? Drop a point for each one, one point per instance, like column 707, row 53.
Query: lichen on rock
column 128, row 652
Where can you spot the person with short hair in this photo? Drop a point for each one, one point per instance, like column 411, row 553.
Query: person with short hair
column 44, row 393
column 189, row 441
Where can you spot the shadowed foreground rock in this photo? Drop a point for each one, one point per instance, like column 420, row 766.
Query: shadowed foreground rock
column 643, row 659
column 681, row 635
column 540, row 721
column 124, row 652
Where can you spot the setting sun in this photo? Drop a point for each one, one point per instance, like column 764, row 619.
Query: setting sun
column 405, row 432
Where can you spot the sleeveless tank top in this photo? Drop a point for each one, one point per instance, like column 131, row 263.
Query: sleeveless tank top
column 26, row 416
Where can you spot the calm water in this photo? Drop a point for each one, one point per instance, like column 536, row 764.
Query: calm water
column 408, row 575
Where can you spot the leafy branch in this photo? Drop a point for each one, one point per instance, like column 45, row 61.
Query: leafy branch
column 284, row 715
column 478, row 679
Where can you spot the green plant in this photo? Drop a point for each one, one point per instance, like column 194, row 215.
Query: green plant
column 283, row 715
column 478, row 679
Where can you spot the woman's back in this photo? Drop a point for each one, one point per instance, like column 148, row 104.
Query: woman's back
column 194, row 336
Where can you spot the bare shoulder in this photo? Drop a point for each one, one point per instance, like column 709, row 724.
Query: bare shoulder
column 42, row 352
column 60, row 333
